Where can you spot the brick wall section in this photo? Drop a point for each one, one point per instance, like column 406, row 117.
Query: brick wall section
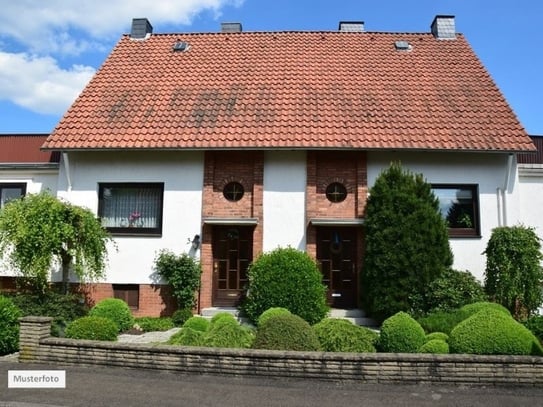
column 355, row 367
column 247, row 168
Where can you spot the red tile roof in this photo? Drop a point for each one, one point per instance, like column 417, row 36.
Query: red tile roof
column 25, row 149
column 307, row 90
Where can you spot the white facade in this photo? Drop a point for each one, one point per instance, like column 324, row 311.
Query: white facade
column 531, row 196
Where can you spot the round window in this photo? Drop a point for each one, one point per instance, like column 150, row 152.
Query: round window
column 233, row 191
column 336, row 192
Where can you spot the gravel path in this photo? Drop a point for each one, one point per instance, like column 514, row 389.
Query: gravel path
column 148, row 337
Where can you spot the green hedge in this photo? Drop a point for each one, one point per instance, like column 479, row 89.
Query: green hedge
column 286, row 332
column 225, row 334
column 187, row 337
column 340, row 335
column 92, row 327
column 197, row 323
column 400, row 333
column 151, row 324
column 270, row 312
column 116, row 310
column 9, row 326
column 437, row 335
column 437, row 346
column 181, row 316
column 492, row 332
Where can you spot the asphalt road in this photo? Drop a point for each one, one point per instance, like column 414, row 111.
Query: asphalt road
column 103, row 386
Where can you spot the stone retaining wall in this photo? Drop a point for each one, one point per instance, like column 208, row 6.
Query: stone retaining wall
column 38, row 347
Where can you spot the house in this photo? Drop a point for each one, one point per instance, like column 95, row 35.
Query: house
column 225, row 145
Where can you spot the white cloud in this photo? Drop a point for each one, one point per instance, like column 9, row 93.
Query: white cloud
column 39, row 84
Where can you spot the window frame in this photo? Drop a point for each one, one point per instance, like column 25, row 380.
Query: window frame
column 475, row 231
column 133, row 231
column 127, row 292
column 7, row 185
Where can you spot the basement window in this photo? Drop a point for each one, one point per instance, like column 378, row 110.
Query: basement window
column 129, row 293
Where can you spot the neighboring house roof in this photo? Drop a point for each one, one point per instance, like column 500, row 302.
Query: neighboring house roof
column 307, row 90
column 24, row 150
column 535, row 157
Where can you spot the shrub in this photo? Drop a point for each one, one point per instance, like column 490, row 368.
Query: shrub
column 441, row 321
column 270, row 312
column 339, row 335
column 407, row 242
column 401, row 333
column 286, row 278
column 535, row 325
column 471, row 309
column 437, row 346
column 182, row 273
column 187, row 337
column 63, row 308
column 223, row 318
column 92, row 327
column 9, row 326
column 437, row 335
column 197, row 323
column 226, row 334
column 180, row 316
column 448, row 292
column 115, row 309
column 492, row 332
column 286, row 332
column 150, row 324
column 513, row 271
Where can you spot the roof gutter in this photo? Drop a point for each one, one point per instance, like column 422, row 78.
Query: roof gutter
column 502, row 193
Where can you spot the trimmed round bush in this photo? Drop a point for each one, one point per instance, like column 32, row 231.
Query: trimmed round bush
column 493, row 332
column 9, row 326
column 270, row 312
column 223, row 318
column 340, row 335
column 470, row 309
column 437, row 346
column 286, row 332
column 224, row 334
column 197, row 323
column 152, row 324
column 286, row 278
column 187, row 337
column 400, row 333
column 92, row 327
column 116, row 310
column 181, row 316
column 437, row 335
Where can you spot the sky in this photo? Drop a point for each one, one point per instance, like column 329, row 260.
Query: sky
column 50, row 49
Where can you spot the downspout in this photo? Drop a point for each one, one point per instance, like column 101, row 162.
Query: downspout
column 506, row 188
column 66, row 163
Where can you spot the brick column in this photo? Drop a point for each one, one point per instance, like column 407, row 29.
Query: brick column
column 32, row 331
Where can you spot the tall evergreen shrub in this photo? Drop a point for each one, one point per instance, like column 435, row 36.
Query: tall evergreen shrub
column 407, row 244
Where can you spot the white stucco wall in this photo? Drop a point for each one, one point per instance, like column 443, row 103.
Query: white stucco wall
column 182, row 175
column 531, row 196
column 488, row 171
column 284, row 200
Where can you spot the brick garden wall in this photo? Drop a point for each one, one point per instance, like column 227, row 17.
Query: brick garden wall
column 38, row 347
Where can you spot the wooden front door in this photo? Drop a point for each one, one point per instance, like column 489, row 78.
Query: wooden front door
column 232, row 253
column 336, row 254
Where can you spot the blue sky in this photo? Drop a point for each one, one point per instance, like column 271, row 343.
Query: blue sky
column 50, row 49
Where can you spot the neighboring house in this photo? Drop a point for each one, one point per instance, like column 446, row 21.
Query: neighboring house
column 530, row 169
column 225, row 145
column 24, row 169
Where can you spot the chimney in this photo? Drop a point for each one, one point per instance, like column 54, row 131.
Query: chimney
column 230, row 27
column 351, row 26
column 141, row 28
column 443, row 28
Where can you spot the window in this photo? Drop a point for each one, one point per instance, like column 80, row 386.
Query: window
column 11, row 191
column 131, row 208
column 233, row 191
column 459, row 205
column 129, row 293
column 336, row 192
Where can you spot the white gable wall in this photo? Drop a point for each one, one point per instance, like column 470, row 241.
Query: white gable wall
column 182, row 175
column 531, row 196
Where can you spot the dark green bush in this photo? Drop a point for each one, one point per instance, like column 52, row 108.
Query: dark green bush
column 286, row 332
column 286, row 278
column 448, row 292
column 437, row 335
column 9, row 326
column 535, row 325
column 493, row 332
column 400, row 333
column 182, row 273
column 407, row 243
column 270, row 312
column 513, row 272
column 180, row 316
column 92, row 327
column 115, row 309
column 63, row 308
column 151, row 324
column 226, row 333
column 441, row 321
column 197, row 323
column 437, row 346
column 187, row 337
column 340, row 335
